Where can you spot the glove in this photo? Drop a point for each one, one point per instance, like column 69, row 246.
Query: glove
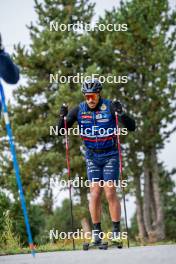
column 117, row 107
column 63, row 110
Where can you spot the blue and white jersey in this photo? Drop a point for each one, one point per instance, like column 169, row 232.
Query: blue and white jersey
column 97, row 127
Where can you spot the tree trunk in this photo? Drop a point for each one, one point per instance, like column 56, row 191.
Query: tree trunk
column 139, row 212
column 146, row 200
column 48, row 199
column 160, row 230
column 152, row 202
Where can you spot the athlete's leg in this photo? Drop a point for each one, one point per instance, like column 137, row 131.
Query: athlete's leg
column 113, row 201
column 95, row 203
column 94, row 172
column 115, row 211
column 110, row 176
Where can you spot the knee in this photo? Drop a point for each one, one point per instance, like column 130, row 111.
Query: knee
column 110, row 195
column 95, row 196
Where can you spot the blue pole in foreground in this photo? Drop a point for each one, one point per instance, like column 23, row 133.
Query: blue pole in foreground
column 16, row 168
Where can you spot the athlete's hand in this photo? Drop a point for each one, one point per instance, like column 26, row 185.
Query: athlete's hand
column 117, row 107
column 63, row 110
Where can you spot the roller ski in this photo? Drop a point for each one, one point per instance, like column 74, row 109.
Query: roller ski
column 116, row 240
column 96, row 242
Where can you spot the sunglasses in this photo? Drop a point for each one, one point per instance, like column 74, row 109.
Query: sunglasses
column 92, row 96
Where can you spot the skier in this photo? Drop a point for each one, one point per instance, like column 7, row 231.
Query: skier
column 102, row 159
column 9, row 72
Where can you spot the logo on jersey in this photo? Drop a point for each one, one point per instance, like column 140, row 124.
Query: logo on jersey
column 103, row 120
column 99, row 116
column 103, row 107
column 86, row 116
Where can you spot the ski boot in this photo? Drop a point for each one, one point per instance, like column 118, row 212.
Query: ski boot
column 96, row 241
column 116, row 239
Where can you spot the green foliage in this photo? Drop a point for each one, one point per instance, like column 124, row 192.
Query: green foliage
column 170, row 217
column 4, row 206
column 145, row 53
column 8, row 238
column 61, row 219
column 167, row 184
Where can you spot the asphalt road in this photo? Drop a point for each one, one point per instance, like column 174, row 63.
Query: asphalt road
column 165, row 254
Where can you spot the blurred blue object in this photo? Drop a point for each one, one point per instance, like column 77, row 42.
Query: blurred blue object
column 9, row 72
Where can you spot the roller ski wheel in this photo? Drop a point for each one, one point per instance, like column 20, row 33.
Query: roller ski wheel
column 118, row 244
column 116, row 240
column 86, row 246
column 102, row 246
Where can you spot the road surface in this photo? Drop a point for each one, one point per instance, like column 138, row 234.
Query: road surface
column 165, row 254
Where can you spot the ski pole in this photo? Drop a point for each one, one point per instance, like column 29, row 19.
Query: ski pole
column 121, row 176
column 16, row 169
column 69, row 176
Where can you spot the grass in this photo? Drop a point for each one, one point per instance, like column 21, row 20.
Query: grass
column 66, row 245
column 10, row 244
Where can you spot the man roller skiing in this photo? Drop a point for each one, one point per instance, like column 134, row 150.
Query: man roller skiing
column 102, row 159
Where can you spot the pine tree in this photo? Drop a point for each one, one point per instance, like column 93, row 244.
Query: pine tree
column 38, row 101
column 146, row 54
